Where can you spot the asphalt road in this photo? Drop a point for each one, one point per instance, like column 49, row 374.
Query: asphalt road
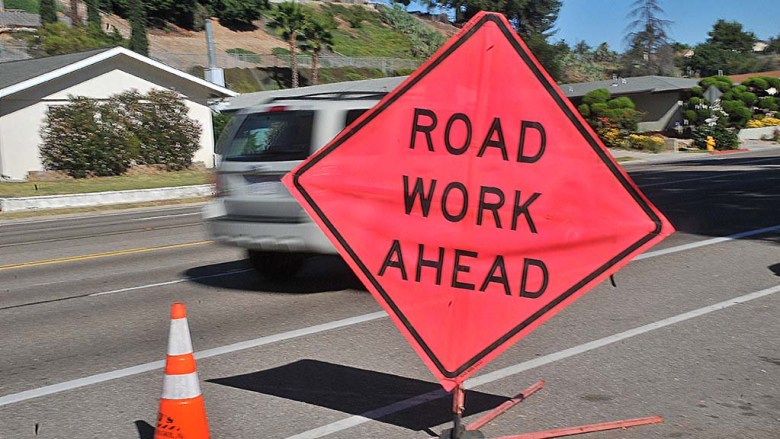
column 689, row 331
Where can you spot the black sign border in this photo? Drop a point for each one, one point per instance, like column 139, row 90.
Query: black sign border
column 560, row 100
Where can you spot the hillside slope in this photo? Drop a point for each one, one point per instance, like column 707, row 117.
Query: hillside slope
column 175, row 41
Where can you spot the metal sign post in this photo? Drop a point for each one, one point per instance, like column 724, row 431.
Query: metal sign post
column 471, row 431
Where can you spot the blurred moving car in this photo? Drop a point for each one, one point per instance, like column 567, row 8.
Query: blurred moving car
column 252, row 208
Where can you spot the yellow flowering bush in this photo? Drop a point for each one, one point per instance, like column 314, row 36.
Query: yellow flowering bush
column 611, row 137
column 645, row 143
column 764, row 122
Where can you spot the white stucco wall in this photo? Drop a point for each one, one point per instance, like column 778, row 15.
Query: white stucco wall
column 19, row 131
column 19, row 140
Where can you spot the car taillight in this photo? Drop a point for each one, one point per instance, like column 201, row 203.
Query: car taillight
column 277, row 108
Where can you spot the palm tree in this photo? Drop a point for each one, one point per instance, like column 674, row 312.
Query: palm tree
column 289, row 18
column 316, row 37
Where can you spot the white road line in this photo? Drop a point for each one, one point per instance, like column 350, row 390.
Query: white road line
column 102, row 215
column 80, row 382
column 353, row 421
column 141, row 368
column 707, row 242
column 170, row 282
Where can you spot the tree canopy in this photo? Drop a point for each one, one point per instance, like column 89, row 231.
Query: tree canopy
column 533, row 20
column 649, row 52
column 728, row 50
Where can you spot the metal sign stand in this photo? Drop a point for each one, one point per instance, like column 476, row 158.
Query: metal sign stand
column 471, row 431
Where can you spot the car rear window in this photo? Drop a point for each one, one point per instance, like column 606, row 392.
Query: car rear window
column 354, row 114
column 271, row 136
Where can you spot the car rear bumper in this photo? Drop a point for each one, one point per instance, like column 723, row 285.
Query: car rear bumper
column 303, row 237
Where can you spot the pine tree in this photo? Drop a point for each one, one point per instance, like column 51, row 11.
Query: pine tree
column 649, row 52
column 48, row 11
column 93, row 14
column 139, row 42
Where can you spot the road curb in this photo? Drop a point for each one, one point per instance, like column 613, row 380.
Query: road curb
column 729, row 151
column 103, row 198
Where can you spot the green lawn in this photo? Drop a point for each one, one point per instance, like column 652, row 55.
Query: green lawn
column 105, row 184
column 30, row 6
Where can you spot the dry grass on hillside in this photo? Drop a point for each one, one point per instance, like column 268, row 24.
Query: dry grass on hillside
column 175, row 40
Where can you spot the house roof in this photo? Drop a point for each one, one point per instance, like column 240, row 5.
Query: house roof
column 637, row 84
column 14, row 72
column 18, row 18
column 16, row 76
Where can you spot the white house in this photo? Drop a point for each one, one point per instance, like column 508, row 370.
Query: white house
column 29, row 87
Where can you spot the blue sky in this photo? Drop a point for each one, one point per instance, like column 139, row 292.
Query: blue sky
column 597, row 21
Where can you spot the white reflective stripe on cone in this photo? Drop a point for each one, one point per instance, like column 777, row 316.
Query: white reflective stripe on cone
column 181, row 386
column 179, row 342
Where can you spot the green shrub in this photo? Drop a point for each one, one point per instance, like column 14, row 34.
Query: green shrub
column 738, row 113
column 704, row 114
column 758, row 83
column 599, row 108
column 247, row 55
column 621, row 102
column 769, row 103
column 85, row 138
column 731, row 105
column 598, row 96
column 722, row 83
column 59, row 38
column 425, row 40
column 239, row 12
column 403, row 72
column 692, row 116
column 747, row 97
column 88, row 137
column 697, row 91
column 725, row 138
column 741, row 116
column 626, row 119
column 165, row 133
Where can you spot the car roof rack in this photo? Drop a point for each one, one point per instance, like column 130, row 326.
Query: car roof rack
column 337, row 95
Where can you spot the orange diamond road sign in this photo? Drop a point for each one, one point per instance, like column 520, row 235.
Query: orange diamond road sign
column 474, row 202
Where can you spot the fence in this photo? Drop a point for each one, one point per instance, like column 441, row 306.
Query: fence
column 186, row 61
column 12, row 50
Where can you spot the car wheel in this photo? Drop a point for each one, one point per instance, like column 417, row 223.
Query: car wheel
column 276, row 265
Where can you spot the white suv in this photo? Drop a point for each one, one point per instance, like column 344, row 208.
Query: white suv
column 252, row 208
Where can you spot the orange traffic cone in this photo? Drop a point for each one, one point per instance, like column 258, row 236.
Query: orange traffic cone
column 182, row 413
